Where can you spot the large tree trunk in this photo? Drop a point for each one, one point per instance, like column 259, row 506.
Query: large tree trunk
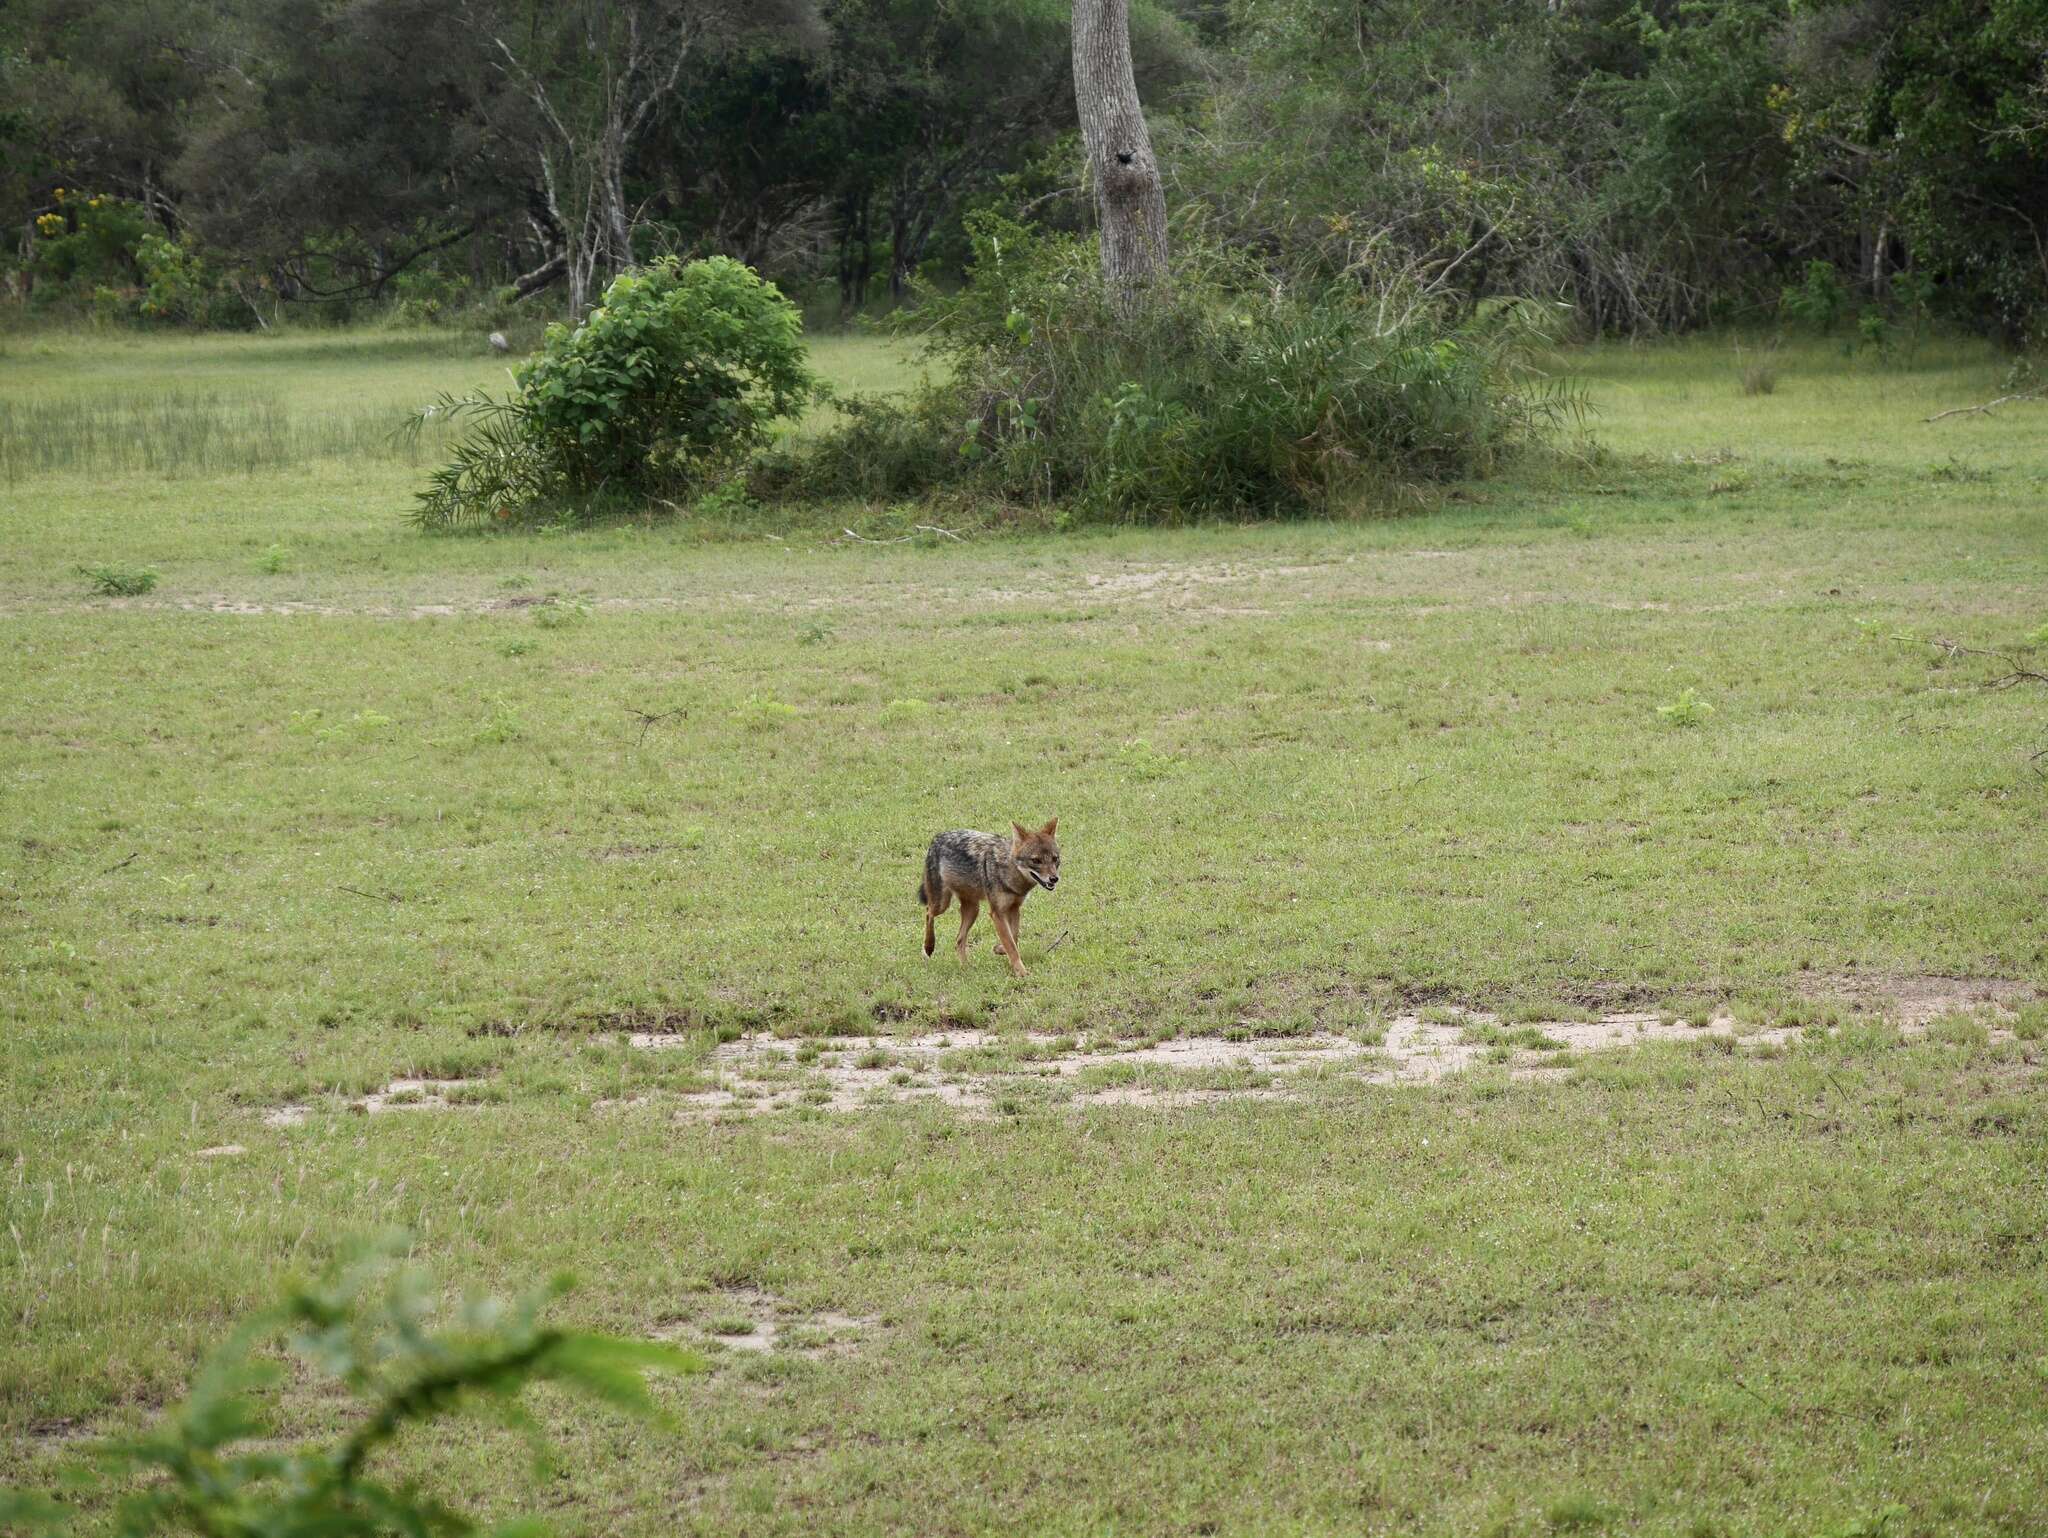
column 1130, row 200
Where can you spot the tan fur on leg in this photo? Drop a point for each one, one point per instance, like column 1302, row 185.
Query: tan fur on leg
column 969, row 911
column 1006, row 936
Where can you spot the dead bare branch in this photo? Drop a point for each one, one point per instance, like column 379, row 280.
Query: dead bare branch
column 1989, row 406
column 904, row 539
column 2016, row 672
column 652, row 719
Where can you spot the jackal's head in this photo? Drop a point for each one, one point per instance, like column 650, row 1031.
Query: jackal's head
column 1037, row 854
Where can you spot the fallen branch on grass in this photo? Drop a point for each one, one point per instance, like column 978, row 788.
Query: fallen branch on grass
column 123, row 864
column 922, row 528
column 2015, row 672
column 648, row 720
column 375, row 897
column 1989, row 406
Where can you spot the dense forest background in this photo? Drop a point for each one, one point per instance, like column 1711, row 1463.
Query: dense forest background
column 1652, row 163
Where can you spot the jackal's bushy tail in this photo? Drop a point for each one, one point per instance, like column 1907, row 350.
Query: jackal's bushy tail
column 928, row 885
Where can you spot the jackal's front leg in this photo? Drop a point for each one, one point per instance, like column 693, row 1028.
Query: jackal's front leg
column 1006, row 937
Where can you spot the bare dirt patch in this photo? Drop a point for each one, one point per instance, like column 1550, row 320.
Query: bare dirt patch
column 1176, row 584
column 982, row 1073
column 755, row 1322
column 398, row 1095
column 1913, row 999
column 58, row 1433
column 411, row 1095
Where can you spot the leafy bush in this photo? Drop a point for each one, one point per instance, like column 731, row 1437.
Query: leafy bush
column 1228, row 391
column 103, row 254
column 1819, row 300
column 682, row 368
column 391, row 1358
column 83, row 241
column 426, row 296
column 884, row 449
column 179, row 284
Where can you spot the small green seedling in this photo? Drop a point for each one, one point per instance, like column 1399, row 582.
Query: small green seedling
column 1687, row 710
column 761, row 712
column 120, row 581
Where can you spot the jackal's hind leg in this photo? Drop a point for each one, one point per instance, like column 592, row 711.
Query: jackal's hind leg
column 970, row 909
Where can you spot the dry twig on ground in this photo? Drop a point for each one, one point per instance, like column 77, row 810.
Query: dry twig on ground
column 1988, row 406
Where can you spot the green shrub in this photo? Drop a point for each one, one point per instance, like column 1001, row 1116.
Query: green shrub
column 401, row 1369
column 85, row 242
column 426, row 296
column 104, row 255
column 1819, row 300
column 882, row 450
column 1229, row 391
column 681, row 369
column 181, row 285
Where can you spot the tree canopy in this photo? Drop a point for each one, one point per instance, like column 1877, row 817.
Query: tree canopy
column 1652, row 163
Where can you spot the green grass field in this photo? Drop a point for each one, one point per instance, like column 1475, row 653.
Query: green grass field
column 335, row 804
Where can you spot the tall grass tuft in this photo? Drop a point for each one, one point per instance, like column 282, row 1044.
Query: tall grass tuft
column 182, row 432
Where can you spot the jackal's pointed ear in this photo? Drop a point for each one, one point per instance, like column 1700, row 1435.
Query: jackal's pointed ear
column 1018, row 833
column 1051, row 827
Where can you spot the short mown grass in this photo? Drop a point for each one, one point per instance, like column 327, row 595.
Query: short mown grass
column 280, row 831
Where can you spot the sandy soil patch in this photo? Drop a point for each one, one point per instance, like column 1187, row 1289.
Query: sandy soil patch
column 1176, row 582
column 410, row 1095
column 1913, row 999
column 974, row 1071
column 977, row 1071
column 398, row 1095
column 755, row 1322
column 54, row 1435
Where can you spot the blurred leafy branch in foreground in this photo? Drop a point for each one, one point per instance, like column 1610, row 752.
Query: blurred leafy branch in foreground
column 373, row 1326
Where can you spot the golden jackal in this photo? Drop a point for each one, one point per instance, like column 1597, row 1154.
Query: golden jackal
column 981, row 868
